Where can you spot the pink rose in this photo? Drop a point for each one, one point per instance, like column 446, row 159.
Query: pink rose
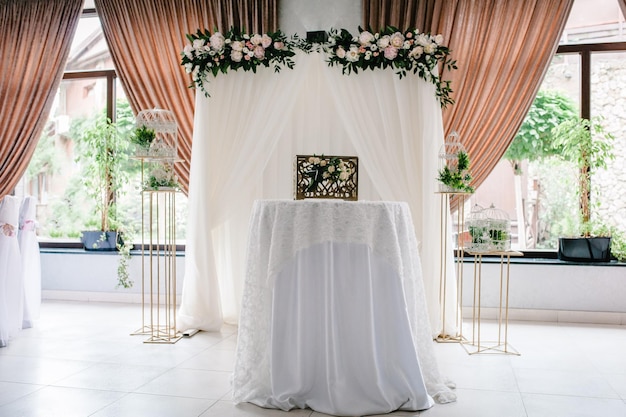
column 279, row 45
column 259, row 52
column 391, row 52
column 266, row 41
column 340, row 52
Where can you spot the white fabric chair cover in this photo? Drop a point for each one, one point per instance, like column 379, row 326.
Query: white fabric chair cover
column 31, row 261
column 11, row 289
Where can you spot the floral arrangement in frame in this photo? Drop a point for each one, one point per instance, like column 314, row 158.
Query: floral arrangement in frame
column 326, row 177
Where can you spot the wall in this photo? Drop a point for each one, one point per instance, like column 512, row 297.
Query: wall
column 556, row 292
column 87, row 276
column 539, row 291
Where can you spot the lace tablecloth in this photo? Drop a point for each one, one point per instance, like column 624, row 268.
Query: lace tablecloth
column 333, row 311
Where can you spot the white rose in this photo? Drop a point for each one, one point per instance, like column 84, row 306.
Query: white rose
column 397, row 40
column 383, row 42
column 188, row 51
column 365, row 38
column 430, row 48
column 416, row 52
column 316, row 160
column 217, row 41
column 237, row 46
column 236, row 55
column 188, row 67
column 340, row 52
column 256, row 39
column 439, row 39
column 323, row 163
column 198, row 43
column 343, row 176
column 311, row 160
column 423, row 40
column 353, row 54
column 331, row 169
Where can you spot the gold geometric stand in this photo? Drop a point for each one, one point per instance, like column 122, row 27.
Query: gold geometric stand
column 161, row 258
column 158, row 262
column 445, row 336
column 501, row 344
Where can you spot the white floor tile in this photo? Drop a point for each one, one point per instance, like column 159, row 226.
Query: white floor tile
column 557, row 382
column 95, row 368
column 194, row 383
column 566, row 406
column 228, row 409
column 60, row 402
column 155, row 406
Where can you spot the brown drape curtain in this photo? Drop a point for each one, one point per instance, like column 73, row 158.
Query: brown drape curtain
column 146, row 38
column 503, row 49
column 35, row 40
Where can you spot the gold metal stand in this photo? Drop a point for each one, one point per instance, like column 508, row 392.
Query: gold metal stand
column 501, row 345
column 158, row 262
column 444, row 216
column 161, row 259
column 145, row 329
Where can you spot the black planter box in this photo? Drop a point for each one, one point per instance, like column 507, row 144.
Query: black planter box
column 93, row 240
column 585, row 249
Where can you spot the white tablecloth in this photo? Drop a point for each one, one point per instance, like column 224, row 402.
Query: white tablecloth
column 333, row 313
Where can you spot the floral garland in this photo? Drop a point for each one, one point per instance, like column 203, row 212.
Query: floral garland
column 216, row 52
column 408, row 51
column 405, row 51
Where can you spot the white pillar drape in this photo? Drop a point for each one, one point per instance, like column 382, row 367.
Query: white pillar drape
column 246, row 136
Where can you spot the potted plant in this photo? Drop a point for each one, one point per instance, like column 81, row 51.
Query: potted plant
column 589, row 146
column 103, row 159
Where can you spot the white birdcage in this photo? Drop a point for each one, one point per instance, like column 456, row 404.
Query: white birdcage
column 164, row 125
column 449, row 160
column 489, row 229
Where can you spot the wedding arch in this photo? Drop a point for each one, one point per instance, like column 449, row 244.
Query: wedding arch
column 249, row 126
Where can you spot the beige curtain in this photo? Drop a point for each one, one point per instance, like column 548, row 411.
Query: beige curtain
column 503, row 49
column 35, row 40
column 146, row 38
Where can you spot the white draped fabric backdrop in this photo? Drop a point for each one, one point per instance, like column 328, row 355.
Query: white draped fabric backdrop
column 246, row 136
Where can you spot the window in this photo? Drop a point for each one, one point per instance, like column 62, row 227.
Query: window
column 89, row 90
column 589, row 69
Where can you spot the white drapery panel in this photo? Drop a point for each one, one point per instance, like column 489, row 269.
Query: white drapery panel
column 246, row 136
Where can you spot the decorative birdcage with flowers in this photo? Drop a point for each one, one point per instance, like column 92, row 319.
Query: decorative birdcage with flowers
column 326, row 177
column 155, row 135
column 453, row 174
column 489, row 229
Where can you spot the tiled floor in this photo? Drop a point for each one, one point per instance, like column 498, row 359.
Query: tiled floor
column 81, row 361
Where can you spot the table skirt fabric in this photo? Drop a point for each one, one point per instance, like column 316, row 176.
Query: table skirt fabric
column 333, row 313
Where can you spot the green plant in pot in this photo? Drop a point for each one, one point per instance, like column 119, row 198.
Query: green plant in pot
column 104, row 155
column 589, row 146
